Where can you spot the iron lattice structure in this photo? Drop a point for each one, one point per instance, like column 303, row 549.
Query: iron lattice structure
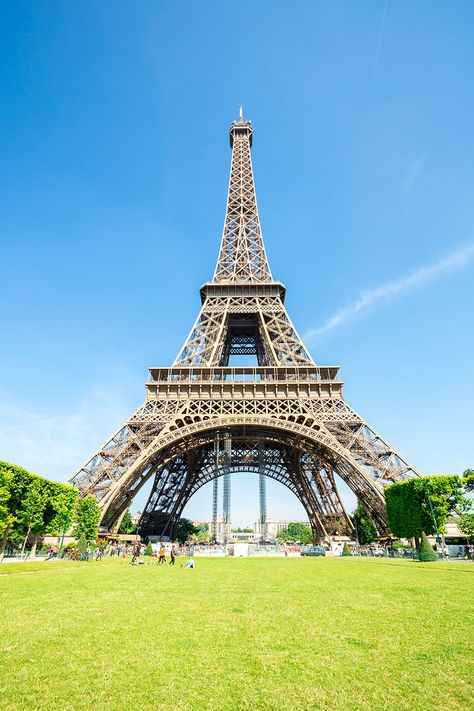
column 285, row 418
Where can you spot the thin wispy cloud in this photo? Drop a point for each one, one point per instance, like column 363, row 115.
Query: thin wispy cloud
column 418, row 278
column 379, row 43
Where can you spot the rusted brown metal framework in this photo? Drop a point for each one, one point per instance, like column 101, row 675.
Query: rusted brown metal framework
column 293, row 406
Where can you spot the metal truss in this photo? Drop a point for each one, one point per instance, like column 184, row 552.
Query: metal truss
column 286, row 418
column 242, row 254
column 295, row 469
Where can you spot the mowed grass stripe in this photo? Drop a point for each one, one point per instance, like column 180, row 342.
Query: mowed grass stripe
column 238, row 634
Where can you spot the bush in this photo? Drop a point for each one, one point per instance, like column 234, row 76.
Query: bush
column 148, row 550
column 346, row 550
column 426, row 552
column 82, row 547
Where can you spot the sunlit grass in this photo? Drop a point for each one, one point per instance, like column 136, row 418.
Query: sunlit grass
column 312, row 633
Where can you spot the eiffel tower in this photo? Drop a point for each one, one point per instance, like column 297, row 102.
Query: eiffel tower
column 285, row 417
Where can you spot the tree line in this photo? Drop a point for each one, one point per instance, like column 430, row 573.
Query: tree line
column 32, row 506
column 421, row 507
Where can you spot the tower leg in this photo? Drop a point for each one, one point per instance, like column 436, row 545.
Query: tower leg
column 262, row 490
column 215, row 493
column 226, row 507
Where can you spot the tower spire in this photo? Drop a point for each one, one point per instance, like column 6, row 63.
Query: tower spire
column 242, row 256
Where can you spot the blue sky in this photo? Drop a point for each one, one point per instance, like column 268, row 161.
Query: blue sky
column 114, row 169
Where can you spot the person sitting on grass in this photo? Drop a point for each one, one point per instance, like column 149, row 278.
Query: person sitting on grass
column 189, row 563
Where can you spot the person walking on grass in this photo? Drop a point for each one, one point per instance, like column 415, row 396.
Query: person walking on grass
column 162, row 554
column 137, row 549
column 173, row 555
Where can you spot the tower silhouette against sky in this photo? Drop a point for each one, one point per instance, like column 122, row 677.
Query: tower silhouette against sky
column 283, row 417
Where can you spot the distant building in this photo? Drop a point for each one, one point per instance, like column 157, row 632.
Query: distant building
column 223, row 531
column 268, row 531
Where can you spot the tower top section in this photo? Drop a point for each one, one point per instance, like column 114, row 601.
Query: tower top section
column 240, row 128
column 242, row 256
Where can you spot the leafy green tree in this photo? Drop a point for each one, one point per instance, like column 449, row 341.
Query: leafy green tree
column 202, row 527
column 426, row 552
column 30, row 517
column 346, row 551
column 30, row 504
column 16, row 480
column 423, row 504
column 6, row 515
column 185, row 529
column 363, row 524
column 296, row 531
column 299, row 532
column 127, row 525
column 148, row 549
column 87, row 518
column 468, row 480
column 60, row 507
column 466, row 525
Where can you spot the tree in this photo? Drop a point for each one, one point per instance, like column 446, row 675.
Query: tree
column 149, row 549
column 30, row 504
column 296, row 531
column 87, row 518
column 423, row 504
column 15, row 481
column 127, row 525
column 466, row 525
column 363, row 525
column 468, row 480
column 6, row 515
column 60, row 507
column 30, row 517
column 346, row 551
column 426, row 552
column 202, row 527
column 185, row 529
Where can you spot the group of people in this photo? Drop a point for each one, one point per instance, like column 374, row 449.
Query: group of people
column 159, row 557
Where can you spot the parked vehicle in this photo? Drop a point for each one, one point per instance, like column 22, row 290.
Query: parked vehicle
column 314, row 550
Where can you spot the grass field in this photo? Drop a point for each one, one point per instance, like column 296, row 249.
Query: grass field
column 312, row 633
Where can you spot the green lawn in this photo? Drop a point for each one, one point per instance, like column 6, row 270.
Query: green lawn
column 307, row 633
